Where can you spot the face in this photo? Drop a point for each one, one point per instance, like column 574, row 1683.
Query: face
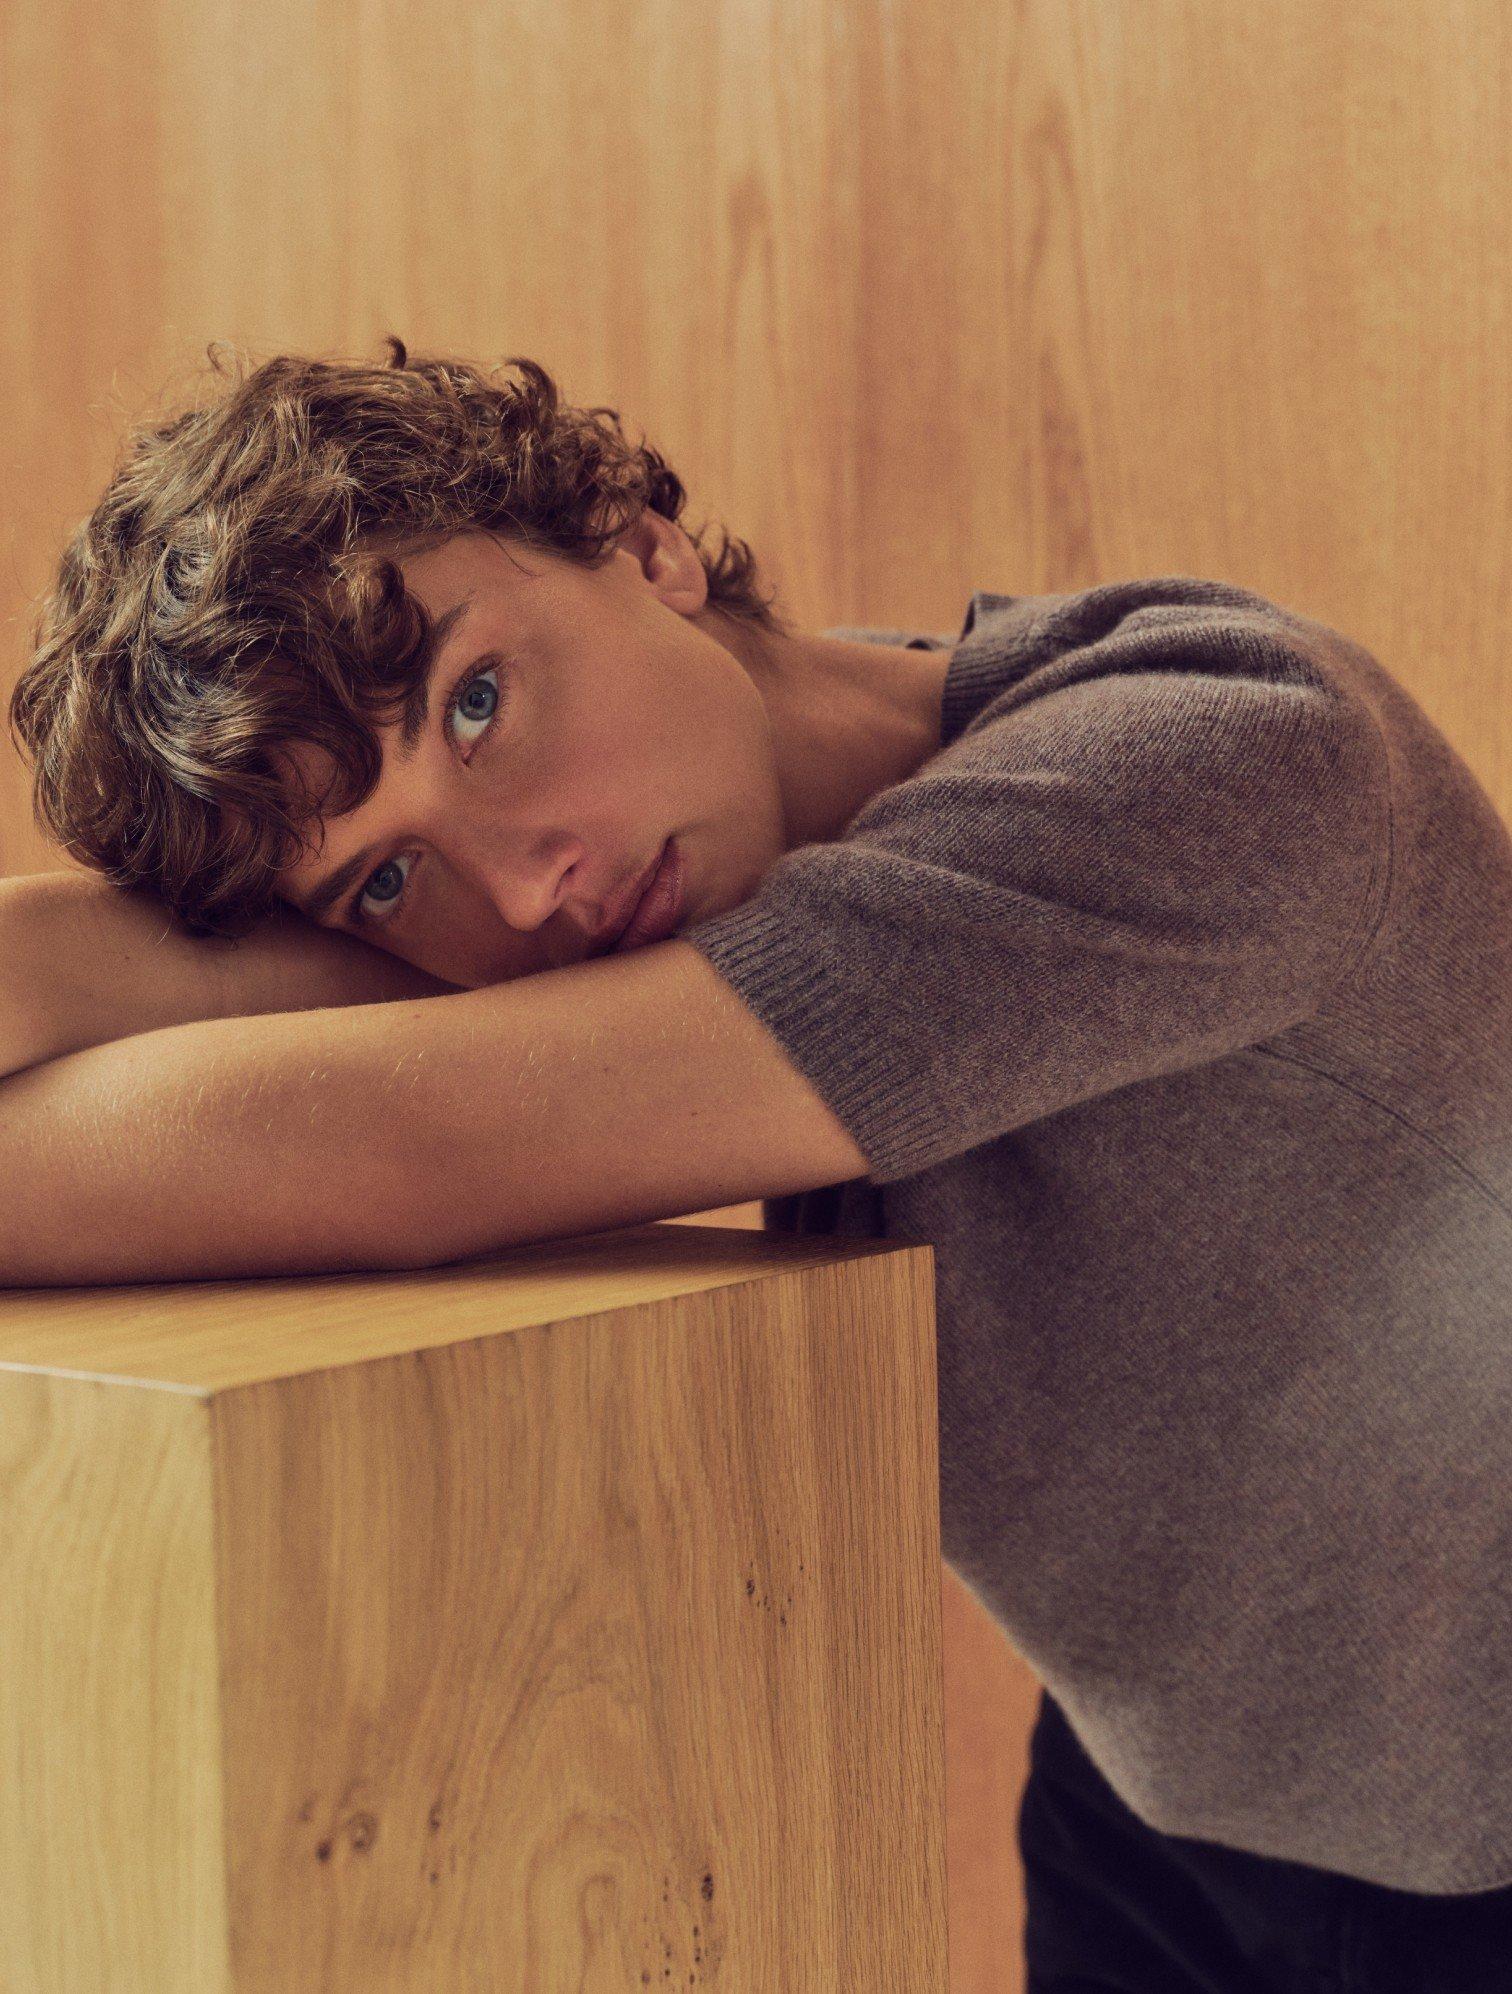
column 597, row 714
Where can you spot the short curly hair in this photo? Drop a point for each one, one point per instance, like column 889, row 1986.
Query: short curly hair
column 235, row 590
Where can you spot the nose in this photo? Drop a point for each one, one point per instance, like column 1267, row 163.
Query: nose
column 531, row 881
column 524, row 884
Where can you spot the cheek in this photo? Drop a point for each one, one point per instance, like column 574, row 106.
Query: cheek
column 626, row 731
column 469, row 943
column 448, row 944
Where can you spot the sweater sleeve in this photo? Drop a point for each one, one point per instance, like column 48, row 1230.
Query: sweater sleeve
column 1128, row 875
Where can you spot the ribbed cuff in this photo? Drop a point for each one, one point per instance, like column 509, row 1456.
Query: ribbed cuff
column 797, row 994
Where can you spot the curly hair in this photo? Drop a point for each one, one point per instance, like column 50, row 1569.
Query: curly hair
column 236, row 589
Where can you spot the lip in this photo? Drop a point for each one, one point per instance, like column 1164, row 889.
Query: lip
column 658, row 910
column 619, row 921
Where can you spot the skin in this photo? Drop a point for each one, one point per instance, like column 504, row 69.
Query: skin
column 628, row 709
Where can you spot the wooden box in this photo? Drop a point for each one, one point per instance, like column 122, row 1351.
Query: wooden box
column 567, row 1619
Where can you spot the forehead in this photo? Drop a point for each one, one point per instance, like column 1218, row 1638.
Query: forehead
column 469, row 562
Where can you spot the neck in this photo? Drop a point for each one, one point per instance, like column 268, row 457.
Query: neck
column 848, row 720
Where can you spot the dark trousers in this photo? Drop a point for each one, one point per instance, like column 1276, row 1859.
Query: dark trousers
column 1115, row 1907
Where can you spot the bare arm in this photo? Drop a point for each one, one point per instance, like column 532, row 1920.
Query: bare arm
column 614, row 1092
column 83, row 963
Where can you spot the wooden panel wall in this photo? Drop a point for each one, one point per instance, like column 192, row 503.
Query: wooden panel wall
column 921, row 298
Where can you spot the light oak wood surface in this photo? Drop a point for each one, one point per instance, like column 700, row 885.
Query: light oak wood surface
column 564, row 1619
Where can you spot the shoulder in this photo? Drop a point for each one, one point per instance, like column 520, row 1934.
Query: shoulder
column 1173, row 653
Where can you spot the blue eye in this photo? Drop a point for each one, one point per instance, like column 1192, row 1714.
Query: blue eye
column 491, row 698
column 389, row 865
column 478, row 683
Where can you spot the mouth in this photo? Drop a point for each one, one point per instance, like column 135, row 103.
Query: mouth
column 660, row 907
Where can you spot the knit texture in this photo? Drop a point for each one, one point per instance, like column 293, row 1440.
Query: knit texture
column 1170, row 1003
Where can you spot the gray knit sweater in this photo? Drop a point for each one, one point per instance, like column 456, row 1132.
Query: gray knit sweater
column 1170, row 1002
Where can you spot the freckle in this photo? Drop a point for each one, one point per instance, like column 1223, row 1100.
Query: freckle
column 323, row 1850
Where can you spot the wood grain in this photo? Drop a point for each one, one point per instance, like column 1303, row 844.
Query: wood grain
column 570, row 1623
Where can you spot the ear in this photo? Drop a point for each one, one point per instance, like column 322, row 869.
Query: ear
column 668, row 560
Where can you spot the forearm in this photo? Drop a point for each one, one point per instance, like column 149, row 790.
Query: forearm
column 406, row 1135
column 83, row 963
column 223, row 1148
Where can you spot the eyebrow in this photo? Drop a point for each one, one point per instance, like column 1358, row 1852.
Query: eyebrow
column 411, row 726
